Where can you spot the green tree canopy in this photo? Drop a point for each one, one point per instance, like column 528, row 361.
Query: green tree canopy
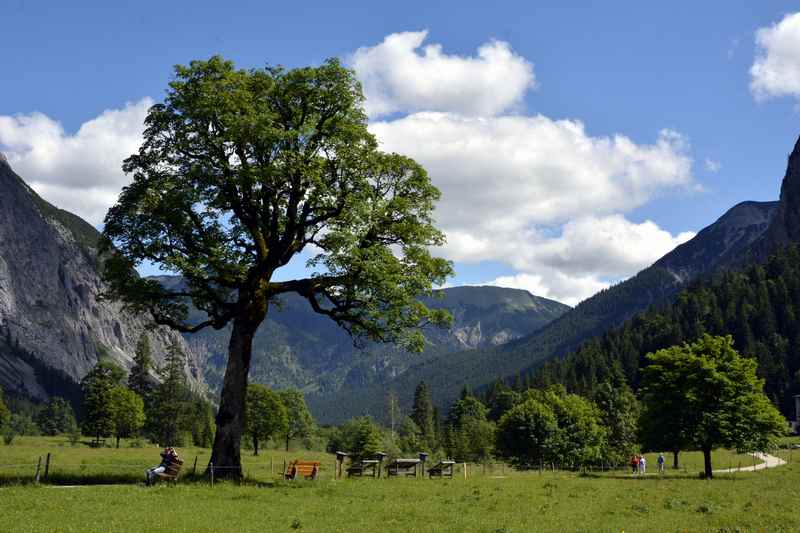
column 139, row 379
column 171, row 400
column 266, row 414
column 467, row 407
column 128, row 412
column 552, row 426
column 422, row 414
column 619, row 409
column 410, row 436
column 718, row 393
column 240, row 171
column 98, row 398
column 56, row 417
column 300, row 424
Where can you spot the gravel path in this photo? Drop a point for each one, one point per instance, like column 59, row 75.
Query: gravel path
column 767, row 461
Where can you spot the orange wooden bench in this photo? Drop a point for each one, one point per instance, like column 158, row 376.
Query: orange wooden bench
column 302, row 470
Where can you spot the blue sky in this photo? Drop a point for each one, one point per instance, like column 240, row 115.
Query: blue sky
column 621, row 68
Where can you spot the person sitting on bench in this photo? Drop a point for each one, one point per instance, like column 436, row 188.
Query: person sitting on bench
column 168, row 456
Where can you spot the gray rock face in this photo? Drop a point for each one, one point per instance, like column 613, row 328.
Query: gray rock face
column 725, row 242
column 49, row 294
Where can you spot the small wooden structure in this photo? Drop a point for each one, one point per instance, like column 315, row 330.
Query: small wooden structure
column 442, row 469
column 340, row 457
column 172, row 470
column 364, row 468
column 302, row 470
column 403, row 467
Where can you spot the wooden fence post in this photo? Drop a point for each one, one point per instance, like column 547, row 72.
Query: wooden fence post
column 38, row 468
column 465, row 470
column 47, row 466
column 271, row 467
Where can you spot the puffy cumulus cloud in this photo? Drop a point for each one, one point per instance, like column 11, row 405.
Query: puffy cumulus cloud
column 590, row 254
column 399, row 77
column 501, row 175
column 79, row 172
column 776, row 70
column 510, row 182
column 557, row 286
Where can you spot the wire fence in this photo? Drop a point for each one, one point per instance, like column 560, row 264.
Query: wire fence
column 48, row 470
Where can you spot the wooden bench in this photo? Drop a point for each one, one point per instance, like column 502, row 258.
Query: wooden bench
column 403, row 467
column 302, row 469
column 442, row 469
column 172, row 471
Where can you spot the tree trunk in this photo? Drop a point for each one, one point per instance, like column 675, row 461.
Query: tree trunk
column 675, row 459
column 226, row 454
column 707, row 463
column 118, row 442
column 287, row 442
column 255, row 446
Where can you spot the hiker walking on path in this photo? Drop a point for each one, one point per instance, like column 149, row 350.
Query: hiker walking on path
column 635, row 464
column 661, row 462
column 642, row 465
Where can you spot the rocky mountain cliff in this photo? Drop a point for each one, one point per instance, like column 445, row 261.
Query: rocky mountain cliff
column 51, row 319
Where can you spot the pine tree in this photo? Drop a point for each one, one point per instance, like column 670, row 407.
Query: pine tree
column 139, row 380
column 170, row 399
column 422, row 413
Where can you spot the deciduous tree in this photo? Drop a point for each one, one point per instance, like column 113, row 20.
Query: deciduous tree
column 128, row 413
column 721, row 399
column 242, row 170
column 265, row 416
column 300, row 423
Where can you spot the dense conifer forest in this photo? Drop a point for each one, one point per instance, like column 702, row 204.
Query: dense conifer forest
column 758, row 307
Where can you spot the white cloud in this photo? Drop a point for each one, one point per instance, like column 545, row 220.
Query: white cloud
column 712, row 165
column 499, row 176
column 565, row 289
column 776, row 70
column 79, row 172
column 398, row 78
column 507, row 182
column 589, row 255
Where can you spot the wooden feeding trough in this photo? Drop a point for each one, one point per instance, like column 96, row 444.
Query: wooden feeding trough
column 403, row 467
column 366, row 467
column 442, row 469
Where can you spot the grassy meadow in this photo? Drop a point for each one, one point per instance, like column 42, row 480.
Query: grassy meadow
column 494, row 500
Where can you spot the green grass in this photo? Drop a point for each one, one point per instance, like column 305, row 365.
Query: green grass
column 500, row 500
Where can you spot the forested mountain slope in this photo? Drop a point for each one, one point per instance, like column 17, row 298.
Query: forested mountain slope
column 759, row 307
column 746, row 233
column 296, row 347
column 712, row 248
